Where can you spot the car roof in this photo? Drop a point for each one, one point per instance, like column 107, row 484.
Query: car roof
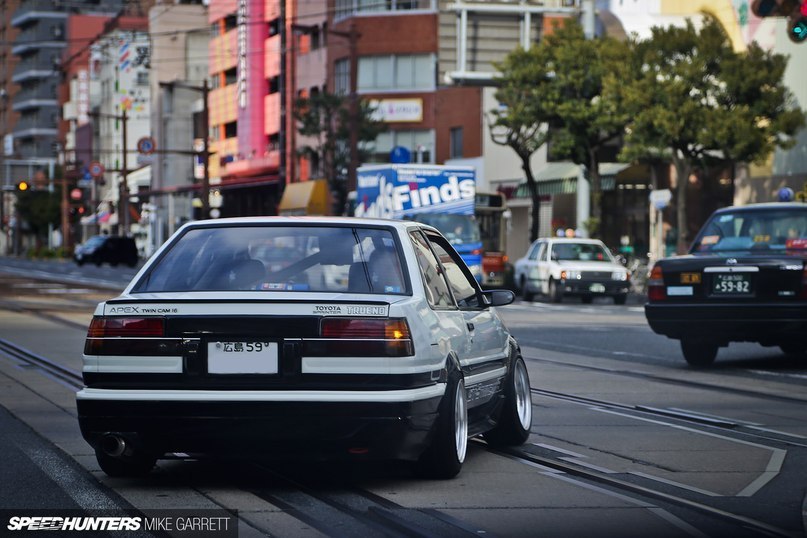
column 570, row 240
column 763, row 206
column 401, row 225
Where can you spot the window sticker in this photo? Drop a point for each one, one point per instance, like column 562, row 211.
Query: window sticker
column 726, row 218
column 762, row 238
column 710, row 239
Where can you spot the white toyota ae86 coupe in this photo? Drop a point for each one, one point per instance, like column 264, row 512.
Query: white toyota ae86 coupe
column 302, row 337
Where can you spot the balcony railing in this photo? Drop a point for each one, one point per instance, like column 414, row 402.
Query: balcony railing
column 347, row 8
column 42, row 95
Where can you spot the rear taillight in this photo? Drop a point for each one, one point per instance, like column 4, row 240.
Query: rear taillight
column 656, row 291
column 111, row 336
column 362, row 337
column 109, row 327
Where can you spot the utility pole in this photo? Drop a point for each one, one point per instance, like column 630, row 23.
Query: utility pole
column 123, row 196
column 352, row 36
column 283, row 96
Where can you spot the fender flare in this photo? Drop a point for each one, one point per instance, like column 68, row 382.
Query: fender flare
column 451, row 365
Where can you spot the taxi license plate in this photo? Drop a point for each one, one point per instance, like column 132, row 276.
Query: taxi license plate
column 731, row 284
column 597, row 288
column 242, row 357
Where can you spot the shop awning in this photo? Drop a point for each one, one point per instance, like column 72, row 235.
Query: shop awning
column 561, row 178
column 305, row 198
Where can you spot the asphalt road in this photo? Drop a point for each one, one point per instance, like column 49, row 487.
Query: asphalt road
column 603, row 354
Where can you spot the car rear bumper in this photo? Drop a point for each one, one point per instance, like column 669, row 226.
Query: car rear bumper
column 766, row 323
column 264, row 422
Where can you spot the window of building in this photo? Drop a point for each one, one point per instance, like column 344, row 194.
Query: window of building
column 230, row 22
column 396, row 72
column 455, row 142
column 230, row 76
column 142, row 78
column 341, row 76
column 231, row 130
column 420, row 144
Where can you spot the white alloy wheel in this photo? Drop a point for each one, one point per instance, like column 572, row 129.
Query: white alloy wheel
column 523, row 395
column 460, row 422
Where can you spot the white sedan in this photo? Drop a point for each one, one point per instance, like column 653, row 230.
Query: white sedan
column 243, row 336
column 557, row 267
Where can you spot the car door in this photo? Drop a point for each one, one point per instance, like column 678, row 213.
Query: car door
column 488, row 339
column 450, row 330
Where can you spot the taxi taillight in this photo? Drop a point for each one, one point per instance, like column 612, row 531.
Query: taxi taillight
column 656, row 291
column 363, row 337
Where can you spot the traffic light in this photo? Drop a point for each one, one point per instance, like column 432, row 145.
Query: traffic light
column 23, row 186
column 797, row 26
column 794, row 10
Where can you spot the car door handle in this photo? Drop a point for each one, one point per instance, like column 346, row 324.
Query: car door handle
column 470, row 326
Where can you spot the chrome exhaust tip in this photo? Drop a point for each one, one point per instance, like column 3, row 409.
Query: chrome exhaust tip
column 113, row 445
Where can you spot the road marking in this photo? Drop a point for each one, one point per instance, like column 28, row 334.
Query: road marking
column 778, row 374
column 774, row 463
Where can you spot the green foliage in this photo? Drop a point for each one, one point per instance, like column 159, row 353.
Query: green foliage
column 325, row 117
column 39, row 209
column 554, row 91
column 683, row 96
column 696, row 102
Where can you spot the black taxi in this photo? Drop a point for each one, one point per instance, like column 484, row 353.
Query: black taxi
column 744, row 279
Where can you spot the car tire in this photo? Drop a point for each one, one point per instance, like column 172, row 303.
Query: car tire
column 698, row 353
column 525, row 293
column 79, row 262
column 129, row 466
column 587, row 299
column 622, row 298
column 98, row 262
column 443, row 459
column 514, row 424
column 555, row 293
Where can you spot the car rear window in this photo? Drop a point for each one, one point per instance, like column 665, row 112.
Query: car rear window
column 279, row 258
column 754, row 231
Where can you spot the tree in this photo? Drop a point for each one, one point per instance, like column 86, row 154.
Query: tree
column 326, row 118
column 554, row 92
column 756, row 112
column 519, row 122
column 585, row 119
column 41, row 209
column 689, row 93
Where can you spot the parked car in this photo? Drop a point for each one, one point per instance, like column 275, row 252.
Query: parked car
column 211, row 349
column 744, row 279
column 557, row 267
column 111, row 249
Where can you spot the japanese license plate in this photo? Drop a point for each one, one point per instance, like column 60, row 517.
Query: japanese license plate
column 242, row 357
column 597, row 288
column 731, row 284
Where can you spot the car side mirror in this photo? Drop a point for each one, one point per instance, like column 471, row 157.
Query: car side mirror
column 498, row 297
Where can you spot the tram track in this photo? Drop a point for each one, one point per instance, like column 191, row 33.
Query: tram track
column 371, row 515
